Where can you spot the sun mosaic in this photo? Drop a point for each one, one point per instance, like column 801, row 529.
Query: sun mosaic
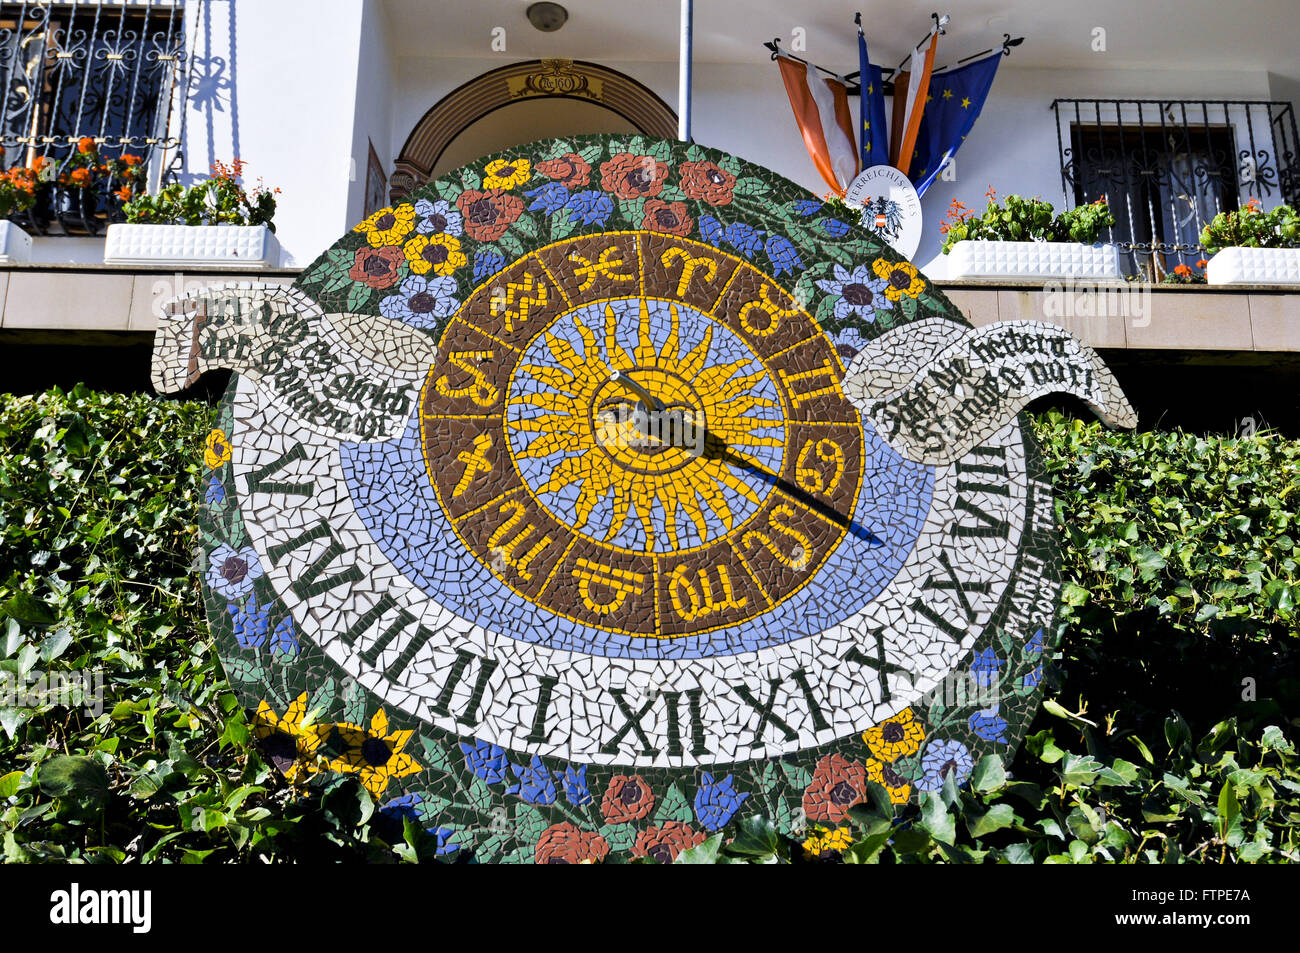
column 611, row 490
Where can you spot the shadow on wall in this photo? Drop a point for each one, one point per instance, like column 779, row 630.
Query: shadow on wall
column 211, row 89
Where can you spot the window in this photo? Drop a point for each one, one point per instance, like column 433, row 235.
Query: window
column 102, row 70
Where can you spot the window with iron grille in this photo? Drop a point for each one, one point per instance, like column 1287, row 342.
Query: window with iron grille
column 1166, row 168
column 88, row 89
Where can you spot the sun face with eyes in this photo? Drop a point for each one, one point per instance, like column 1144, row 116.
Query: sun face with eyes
column 657, row 479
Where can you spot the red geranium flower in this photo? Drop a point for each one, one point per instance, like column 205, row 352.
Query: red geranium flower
column 707, row 182
column 488, row 214
column 570, row 169
column 377, row 267
column 564, row 843
column 627, row 799
column 631, row 176
column 670, row 217
column 665, row 843
column 837, row 785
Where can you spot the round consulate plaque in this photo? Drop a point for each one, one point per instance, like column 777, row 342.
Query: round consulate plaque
column 611, row 489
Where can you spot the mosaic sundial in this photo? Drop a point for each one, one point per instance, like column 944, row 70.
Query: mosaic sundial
column 610, row 489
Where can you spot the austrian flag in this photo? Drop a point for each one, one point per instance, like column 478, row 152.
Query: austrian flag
column 821, row 108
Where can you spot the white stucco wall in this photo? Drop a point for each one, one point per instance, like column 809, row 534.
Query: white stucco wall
column 298, row 88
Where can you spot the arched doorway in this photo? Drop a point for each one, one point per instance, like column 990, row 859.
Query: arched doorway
column 536, row 99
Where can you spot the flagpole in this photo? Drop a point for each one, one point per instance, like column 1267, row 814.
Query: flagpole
column 684, row 72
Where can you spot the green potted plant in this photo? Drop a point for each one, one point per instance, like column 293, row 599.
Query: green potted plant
column 217, row 222
column 17, row 194
column 1023, row 239
column 1250, row 246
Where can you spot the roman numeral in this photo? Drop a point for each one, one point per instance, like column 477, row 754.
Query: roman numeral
column 698, row 747
column 442, row 706
column 306, row 585
column 631, row 723
column 257, row 481
column 538, row 734
column 884, row 668
column 987, row 525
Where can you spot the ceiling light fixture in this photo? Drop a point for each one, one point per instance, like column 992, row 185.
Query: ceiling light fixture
column 547, row 17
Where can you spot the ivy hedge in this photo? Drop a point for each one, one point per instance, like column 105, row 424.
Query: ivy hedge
column 1165, row 735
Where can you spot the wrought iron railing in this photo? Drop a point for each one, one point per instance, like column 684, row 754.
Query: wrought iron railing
column 88, row 73
column 1167, row 167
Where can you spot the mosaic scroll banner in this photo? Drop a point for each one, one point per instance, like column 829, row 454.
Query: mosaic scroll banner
column 612, row 489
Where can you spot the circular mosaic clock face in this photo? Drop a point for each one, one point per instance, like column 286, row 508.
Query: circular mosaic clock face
column 629, row 562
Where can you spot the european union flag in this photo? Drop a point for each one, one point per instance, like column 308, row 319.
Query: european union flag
column 875, row 137
column 956, row 97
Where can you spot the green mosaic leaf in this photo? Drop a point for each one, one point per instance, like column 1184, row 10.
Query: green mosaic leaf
column 673, row 806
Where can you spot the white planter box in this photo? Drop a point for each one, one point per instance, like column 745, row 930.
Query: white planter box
column 1017, row 261
column 1254, row 266
column 15, row 244
column 247, row 246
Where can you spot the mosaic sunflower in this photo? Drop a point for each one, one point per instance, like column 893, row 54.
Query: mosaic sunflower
column 828, row 841
column 440, row 254
column 899, row 788
column 289, row 744
column 901, row 277
column 216, row 449
column 895, row 737
column 506, row 173
column 375, row 754
column 388, row 226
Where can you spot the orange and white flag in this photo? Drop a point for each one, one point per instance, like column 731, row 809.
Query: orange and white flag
column 909, row 109
column 821, row 108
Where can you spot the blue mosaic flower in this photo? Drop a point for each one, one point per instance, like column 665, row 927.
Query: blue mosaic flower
column 251, row 623
column 711, row 230
column 989, row 725
column 834, row 227
column 941, row 759
column 535, row 785
column 486, row 760
column 746, row 238
column 590, row 207
column 420, row 300
column 858, row 292
column 984, row 666
column 409, row 807
column 284, row 639
column 848, row 342
column 231, row 572
column 432, row 218
column 1035, row 645
column 807, row 207
column 1032, row 677
column 781, row 251
column 575, row 786
column 549, row 198
column 488, row 262
column 216, row 493
column 717, row 801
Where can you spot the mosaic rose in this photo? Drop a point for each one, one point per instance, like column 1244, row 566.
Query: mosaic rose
column 941, row 759
column 895, row 737
column 376, row 267
column 440, row 254
column 707, row 182
column 488, row 214
column 565, row 843
column 668, row 217
column 899, row 788
column 631, row 176
column 837, row 785
column 665, row 843
column 507, row 173
column 902, row 278
column 216, row 449
column 388, row 226
column 570, row 169
column 627, row 799
column 232, row 572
